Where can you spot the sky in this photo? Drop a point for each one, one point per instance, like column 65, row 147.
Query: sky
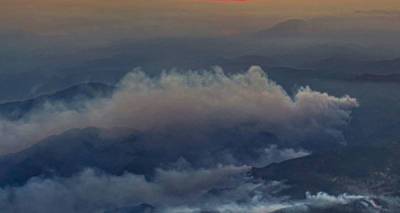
column 173, row 17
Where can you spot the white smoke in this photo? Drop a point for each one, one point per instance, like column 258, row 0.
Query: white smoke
column 311, row 203
column 193, row 103
column 273, row 154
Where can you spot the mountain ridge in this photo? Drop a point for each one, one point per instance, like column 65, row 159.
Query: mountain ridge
column 71, row 97
column 371, row 169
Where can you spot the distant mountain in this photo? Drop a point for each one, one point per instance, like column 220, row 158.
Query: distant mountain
column 372, row 169
column 356, row 66
column 71, row 97
column 394, row 78
column 291, row 27
column 384, row 66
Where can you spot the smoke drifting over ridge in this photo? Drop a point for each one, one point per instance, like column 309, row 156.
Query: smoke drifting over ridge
column 222, row 189
column 191, row 105
column 169, row 111
column 93, row 191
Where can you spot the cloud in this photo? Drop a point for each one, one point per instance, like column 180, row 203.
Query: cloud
column 192, row 106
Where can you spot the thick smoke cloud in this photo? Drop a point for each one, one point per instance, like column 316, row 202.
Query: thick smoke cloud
column 191, row 106
column 173, row 110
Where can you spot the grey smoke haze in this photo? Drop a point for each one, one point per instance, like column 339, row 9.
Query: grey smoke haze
column 221, row 189
column 93, row 192
column 195, row 103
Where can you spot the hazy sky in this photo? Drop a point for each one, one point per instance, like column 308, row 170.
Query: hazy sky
column 171, row 17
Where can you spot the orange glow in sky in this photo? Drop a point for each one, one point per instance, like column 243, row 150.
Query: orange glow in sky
column 171, row 16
